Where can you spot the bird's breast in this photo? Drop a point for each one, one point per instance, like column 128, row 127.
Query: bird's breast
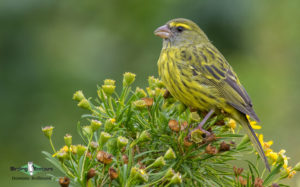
column 182, row 83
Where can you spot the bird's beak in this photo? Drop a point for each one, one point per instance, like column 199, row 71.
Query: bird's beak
column 163, row 32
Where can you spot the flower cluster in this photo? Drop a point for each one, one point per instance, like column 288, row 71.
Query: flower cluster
column 146, row 137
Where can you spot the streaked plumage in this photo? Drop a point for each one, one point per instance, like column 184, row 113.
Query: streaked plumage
column 198, row 75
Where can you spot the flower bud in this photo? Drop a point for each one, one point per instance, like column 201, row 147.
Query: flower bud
column 68, row 140
column 87, row 130
column 170, row 154
column 109, row 82
column 122, row 141
column 78, row 96
column 104, row 157
column 91, row 173
column 80, row 150
column 159, row 92
column 64, row 181
column 95, row 125
column 194, row 116
column 139, row 104
column 85, row 104
column 73, row 149
column 109, row 124
column 150, row 92
column 142, row 175
column 113, row 174
column 144, row 136
column 297, row 167
column 159, row 162
column 128, row 79
column 196, row 136
column 104, row 137
column 160, row 84
column 152, row 82
column 176, row 179
column 62, row 156
column 170, row 173
column 108, row 89
column 48, row 131
column 94, row 145
column 140, row 92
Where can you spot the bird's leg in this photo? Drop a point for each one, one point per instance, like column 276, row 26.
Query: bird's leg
column 208, row 115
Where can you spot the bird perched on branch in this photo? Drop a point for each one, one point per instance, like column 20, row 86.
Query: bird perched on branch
column 198, row 75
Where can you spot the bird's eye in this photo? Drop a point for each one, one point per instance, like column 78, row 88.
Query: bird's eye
column 179, row 28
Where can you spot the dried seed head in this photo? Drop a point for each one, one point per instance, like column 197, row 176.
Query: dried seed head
column 237, row 171
column 148, row 101
column 104, row 157
column 258, row 182
column 113, row 174
column 224, row 147
column 174, row 126
column 242, row 181
column 210, row 149
column 91, row 173
column 220, row 123
column 187, row 142
column 210, row 138
column 183, row 125
column 166, row 94
column 64, row 181
column 125, row 159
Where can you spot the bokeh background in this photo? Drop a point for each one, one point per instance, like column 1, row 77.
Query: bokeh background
column 51, row 48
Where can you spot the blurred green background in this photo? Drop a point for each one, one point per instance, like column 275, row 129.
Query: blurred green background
column 51, row 48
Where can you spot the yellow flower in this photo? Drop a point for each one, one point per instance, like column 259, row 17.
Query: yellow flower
column 273, row 156
column 253, row 124
column 283, row 158
column 265, row 145
column 231, row 123
column 291, row 174
column 63, row 149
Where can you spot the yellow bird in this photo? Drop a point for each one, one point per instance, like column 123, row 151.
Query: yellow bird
column 198, row 75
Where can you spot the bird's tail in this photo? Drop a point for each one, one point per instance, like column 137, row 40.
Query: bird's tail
column 252, row 136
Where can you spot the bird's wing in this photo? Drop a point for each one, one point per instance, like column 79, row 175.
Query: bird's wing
column 211, row 64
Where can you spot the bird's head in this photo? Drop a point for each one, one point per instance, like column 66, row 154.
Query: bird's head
column 181, row 31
